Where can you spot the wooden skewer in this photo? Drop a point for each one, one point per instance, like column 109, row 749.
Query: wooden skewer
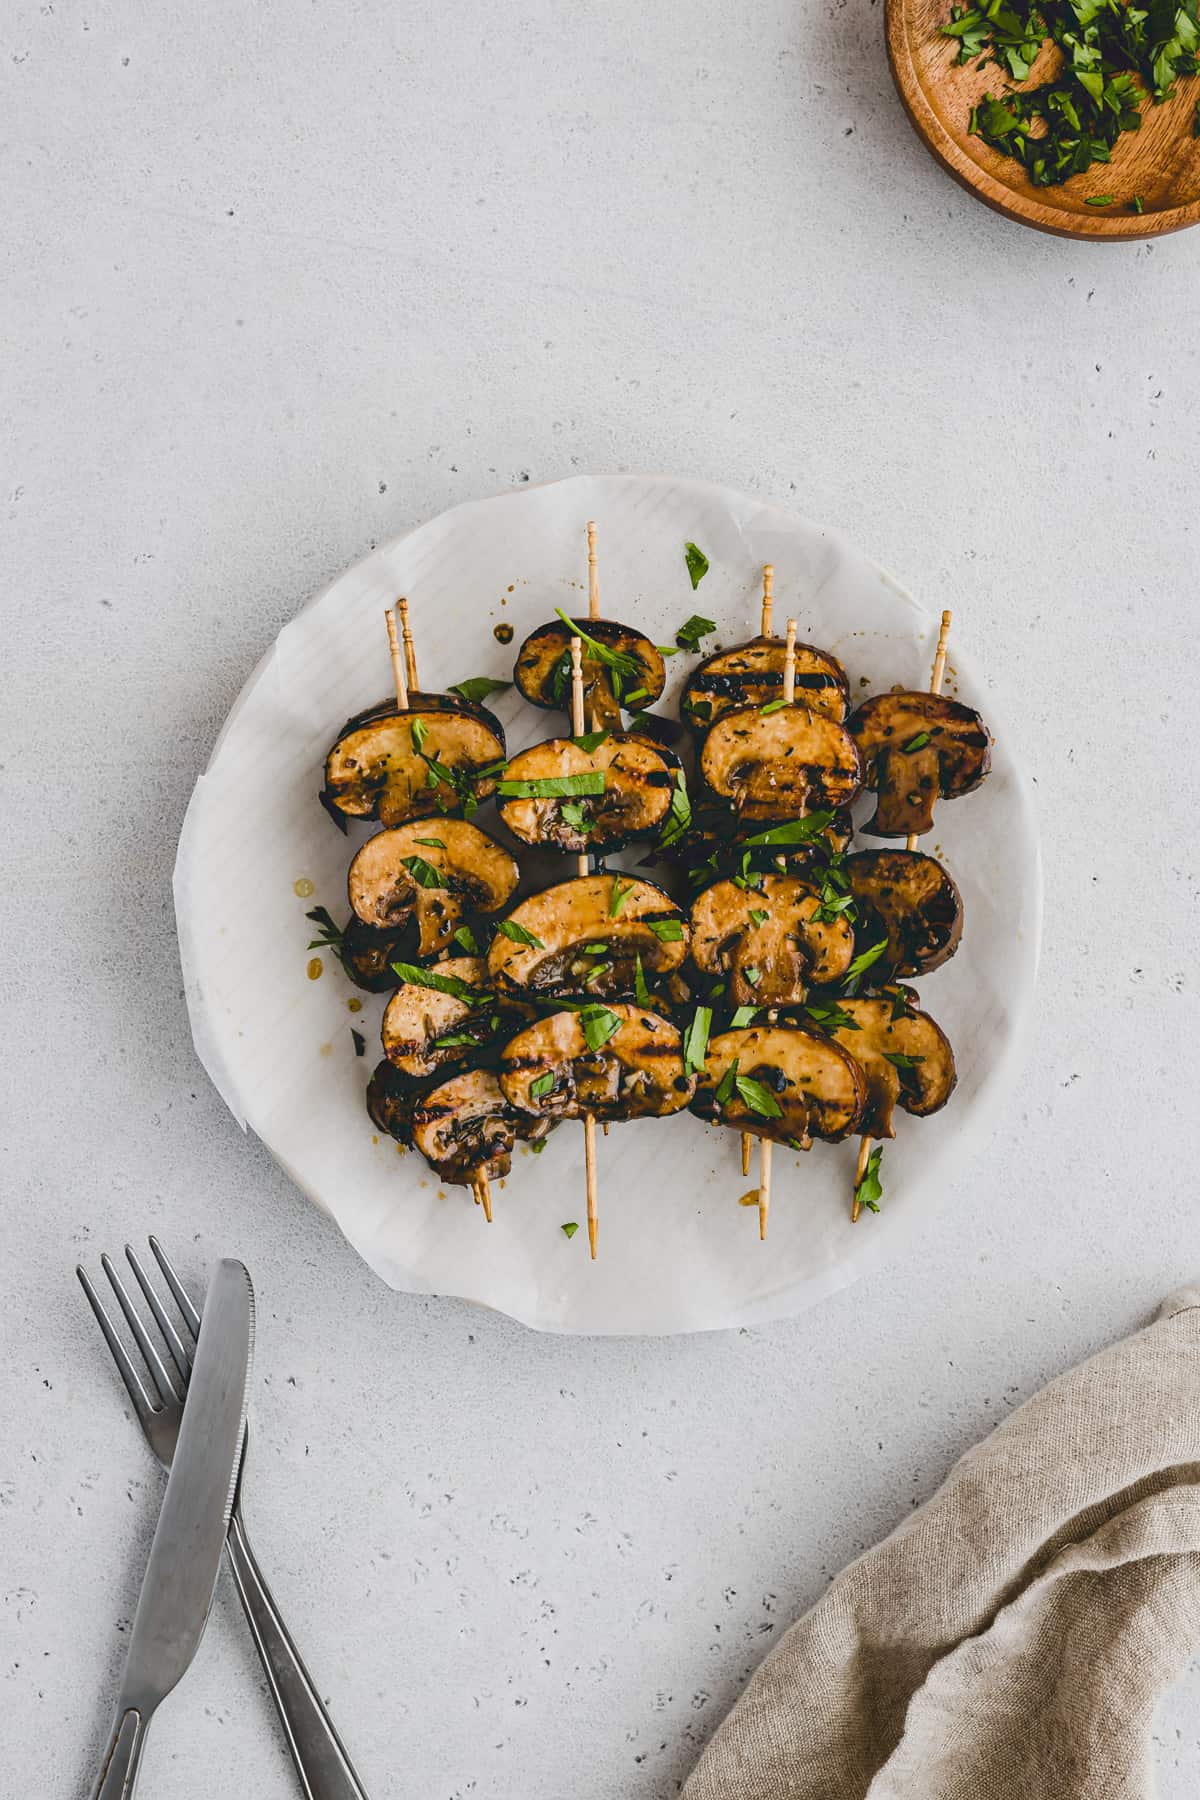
column 410, row 652
column 764, row 631
column 910, row 843
column 593, row 573
column 483, row 1194
column 584, row 867
column 765, row 1146
column 398, row 675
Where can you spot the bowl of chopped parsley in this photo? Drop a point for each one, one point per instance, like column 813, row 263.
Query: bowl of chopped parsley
column 1079, row 117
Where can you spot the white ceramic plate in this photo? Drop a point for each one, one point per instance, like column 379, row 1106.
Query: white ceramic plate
column 677, row 1252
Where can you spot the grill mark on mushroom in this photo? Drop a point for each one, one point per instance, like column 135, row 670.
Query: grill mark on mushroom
column 780, row 765
column 638, row 1073
column 752, row 675
column 375, row 771
column 636, row 799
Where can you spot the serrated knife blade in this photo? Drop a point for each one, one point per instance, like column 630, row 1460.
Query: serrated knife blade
column 190, row 1536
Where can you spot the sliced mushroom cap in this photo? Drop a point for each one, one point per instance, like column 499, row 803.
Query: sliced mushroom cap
column 635, row 1072
column 542, row 670
column 752, row 675
column 781, row 764
column 769, row 941
column 587, row 936
column 426, row 1028
column 432, row 872
column 635, row 799
column 817, row 1087
column 465, row 1128
column 390, row 1102
column 905, row 1058
column 913, row 901
column 915, row 747
column 377, row 767
column 367, row 955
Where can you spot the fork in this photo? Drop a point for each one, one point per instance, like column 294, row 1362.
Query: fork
column 324, row 1768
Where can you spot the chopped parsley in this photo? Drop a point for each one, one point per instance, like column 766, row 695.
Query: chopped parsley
column 575, row 816
column 724, row 1093
column 900, row 1061
column 865, row 960
column 554, row 787
column 753, row 976
column 697, row 566
column 795, row 831
column 640, row 991
column 430, row 843
column 758, row 918
column 667, row 931
column 598, row 1025
column 420, row 731
column 622, row 665
column 772, row 706
column 478, row 688
column 679, row 819
column 517, row 934
column 833, row 1017
column 619, row 896
column 695, row 1040
column 690, row 634
column 745, row 1015
column 331, row 932
column 423, row 873
column 572, row 1225
column 590, row 740
column 442, row 984
column 360, row 1042
column 869, row 1191
column 758, row 1098
column 917, row 743
column 541, row 1085
column 464, row 937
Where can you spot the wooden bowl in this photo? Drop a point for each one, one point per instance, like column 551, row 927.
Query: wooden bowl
column 1161, row 162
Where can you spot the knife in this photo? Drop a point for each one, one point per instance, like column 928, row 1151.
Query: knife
column 190, row 1536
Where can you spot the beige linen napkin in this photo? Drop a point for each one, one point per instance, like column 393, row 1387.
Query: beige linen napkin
column 1011, row 1640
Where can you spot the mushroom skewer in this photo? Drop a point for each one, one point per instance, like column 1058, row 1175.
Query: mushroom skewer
column 764, row 1145
column 583, row 866
column 935, row 688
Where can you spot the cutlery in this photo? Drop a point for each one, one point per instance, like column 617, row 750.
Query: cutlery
column 322, row 1764
column 185, row 1556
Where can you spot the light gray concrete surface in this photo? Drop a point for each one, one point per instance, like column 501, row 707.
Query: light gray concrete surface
column 280, row 280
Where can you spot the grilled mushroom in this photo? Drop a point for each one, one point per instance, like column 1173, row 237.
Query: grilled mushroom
column 393, row 766
column 586, row 936
column 433, row 873
column 367, row 955
column 442, row 1018
column 618, row 1062
column 630, row 665
column 904, row 1057
column 465, row 1128
column 544, row 797
column 769, row 942
column 915, row 747
column 781, row 763
column 752, row 675
column 913, row 901
column 781, row 1082
column 390, row 1102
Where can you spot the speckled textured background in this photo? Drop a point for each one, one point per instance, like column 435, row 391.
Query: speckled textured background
column 281, row 280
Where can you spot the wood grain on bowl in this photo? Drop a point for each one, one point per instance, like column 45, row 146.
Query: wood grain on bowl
column 1159, row 165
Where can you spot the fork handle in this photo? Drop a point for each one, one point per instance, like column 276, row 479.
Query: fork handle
column 122, row 1755
column 325, row 1770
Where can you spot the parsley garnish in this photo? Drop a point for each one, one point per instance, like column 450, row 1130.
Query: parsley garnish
column 917, row 743
column 554, row 787
column 796, row 831
column 679, row 819
column 901, row 1061
column 753, row 976
column 695, row 1042
column 478, row 688
column 420, row 731
column 724, row 1093
column 689, row 635
column 869, row 1191
column 331, row 933
column 423, row 873
column 697, row 567
column 465, row 937
column 619, row 896
column 541, row 1085
column 745, row 1015
column 589, row 740
column 865, row 960
column 667, row 931
column 575, row 816
column 442, row 984
column 571, row 1227
column 598, row 1025
column 640, row 990
column 517, row 934
column 620, row 662
column 758, row 918
column 772, row 706
column 758, row 1098
column 831, row 1016
column 430, row 843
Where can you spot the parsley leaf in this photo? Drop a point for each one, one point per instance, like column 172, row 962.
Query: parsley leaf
column 464, row 937
column 679, row 819
column 517, row 934
column 697, row 565
column 753, row 976
column 575, row 816
column 598, row 1025
column 640, row 990
column 898, row 1058
column 758, row 918
column 865, row 960
column 695, row 1042
column 420, row 732
column 541, row 1085
column 478, row 688
column 690, row 634
column 430, row 843
column 795, row 831
column 554, row 787
column 758, row 1098
column 724, row 1093
column 442, row 984
column 571, row 1227
column 917, row 743
column 590, row 740
column 618, row 897
column 772, row 706
column 423, row 873
column 745, row 1015
column 667, row 931
column 869, row 1191
column 622, row 665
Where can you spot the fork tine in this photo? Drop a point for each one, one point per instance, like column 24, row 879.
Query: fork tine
column 154, row 1362
column 180, row 1355
column 191, row 1317
column 142, row 1404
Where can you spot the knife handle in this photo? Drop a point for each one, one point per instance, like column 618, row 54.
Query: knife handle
column 122, row 1755
column 325, row 1770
